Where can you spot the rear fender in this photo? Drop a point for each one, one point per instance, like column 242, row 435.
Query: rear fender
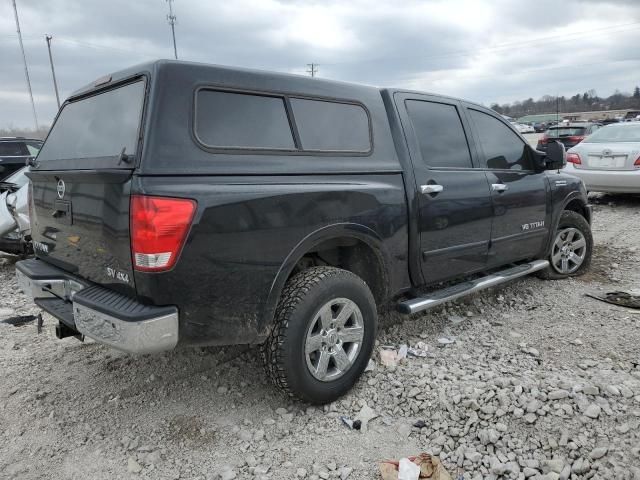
column 341, row 230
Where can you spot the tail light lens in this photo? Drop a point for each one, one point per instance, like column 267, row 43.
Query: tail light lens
column 574, row 158
column 159, row 227
column 544, row 139
column 637, row 163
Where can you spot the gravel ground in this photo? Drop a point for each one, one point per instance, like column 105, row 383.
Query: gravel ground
column 540, row 382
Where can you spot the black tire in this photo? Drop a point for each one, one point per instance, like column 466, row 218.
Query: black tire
column 284, row 351
column 570, row 219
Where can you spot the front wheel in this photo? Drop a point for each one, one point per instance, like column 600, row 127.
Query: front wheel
column 323, row 334
column 571, row 249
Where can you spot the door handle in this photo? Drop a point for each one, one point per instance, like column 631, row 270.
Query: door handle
column 499, row 187
column 431, row 188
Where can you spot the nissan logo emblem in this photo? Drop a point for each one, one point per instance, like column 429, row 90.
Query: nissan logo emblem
column 60, row 188
column 606, row 151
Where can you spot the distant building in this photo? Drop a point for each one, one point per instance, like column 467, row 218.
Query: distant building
column 575, row 116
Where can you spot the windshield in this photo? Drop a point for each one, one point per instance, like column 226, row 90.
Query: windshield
column 13, row 149
column 616, row 133
column 565, row 131
column 18, row 178
column 97, row 127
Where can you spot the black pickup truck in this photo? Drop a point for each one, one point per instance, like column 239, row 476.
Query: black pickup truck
column 176, row 203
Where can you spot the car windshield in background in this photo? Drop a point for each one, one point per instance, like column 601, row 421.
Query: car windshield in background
column 616, row 133
column 100, row 126
column 565, row 132
column 19, row 179
column 13, row 149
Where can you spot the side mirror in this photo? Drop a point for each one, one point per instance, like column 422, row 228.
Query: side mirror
column 556, row 156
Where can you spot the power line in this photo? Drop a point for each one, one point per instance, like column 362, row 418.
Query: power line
column 172, row 21
column 313, row 69
column 26, row 69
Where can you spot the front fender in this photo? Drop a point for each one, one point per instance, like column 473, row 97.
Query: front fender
column 563, row 195
column 308, row 243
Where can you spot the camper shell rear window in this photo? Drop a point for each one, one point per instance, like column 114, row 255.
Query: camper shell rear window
column 96, row 131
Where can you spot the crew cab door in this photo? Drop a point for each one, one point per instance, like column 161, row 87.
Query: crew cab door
column 519, row 192
column 453, row 202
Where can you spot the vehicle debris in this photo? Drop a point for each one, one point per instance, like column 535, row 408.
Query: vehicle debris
column 622, row 299
column 420, row 350
column 352, row 424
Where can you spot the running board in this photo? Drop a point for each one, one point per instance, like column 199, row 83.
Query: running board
column 439, row 297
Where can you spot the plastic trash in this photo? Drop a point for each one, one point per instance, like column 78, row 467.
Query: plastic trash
column 407, row 470
column 429, row 467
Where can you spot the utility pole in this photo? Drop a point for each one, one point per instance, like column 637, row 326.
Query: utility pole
column 172, row 21
column 313, row 69
column 26, row 69
column 53, row 72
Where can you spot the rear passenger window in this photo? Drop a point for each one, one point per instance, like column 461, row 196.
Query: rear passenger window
column 440, row 134
column 503, row 149
column 240, row 120
column 331, row 126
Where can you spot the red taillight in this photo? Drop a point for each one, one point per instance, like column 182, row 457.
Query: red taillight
column 575, row 138
column 637, row 162
column 574, row 158
column 544, row 139
column 159, row 227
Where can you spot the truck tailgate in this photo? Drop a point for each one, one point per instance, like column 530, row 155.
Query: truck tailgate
column 80, row 223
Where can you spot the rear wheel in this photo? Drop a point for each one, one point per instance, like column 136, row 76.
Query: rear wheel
column 571, row 249
column 323, row 335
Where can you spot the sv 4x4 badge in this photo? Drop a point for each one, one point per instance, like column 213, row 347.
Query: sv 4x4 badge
column 533, row 225
column 115, row 274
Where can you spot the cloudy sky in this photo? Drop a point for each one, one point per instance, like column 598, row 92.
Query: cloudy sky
column 486, row 51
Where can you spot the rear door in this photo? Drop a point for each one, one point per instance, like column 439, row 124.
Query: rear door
column 454, row 203
column 81, row 186
column 520, row 194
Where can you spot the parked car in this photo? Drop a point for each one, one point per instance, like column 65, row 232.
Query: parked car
column 608, row 160
column 539, row 127
column 15, row 233
column 185, row 204
column 523, row 128
column 15, row 152
column 570, row 134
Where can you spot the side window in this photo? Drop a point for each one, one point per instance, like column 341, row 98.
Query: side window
column 33, row 149
column 440, row 134
column 503, row 149
column 240, row 120
column 331, row 126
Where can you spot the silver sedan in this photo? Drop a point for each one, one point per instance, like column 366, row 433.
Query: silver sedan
column 609, row 159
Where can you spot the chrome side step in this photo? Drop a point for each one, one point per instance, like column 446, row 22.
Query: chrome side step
column 439, row 297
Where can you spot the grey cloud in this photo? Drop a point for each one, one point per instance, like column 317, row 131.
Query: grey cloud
column 481, row 51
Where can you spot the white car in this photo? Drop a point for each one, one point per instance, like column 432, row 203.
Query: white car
column 14, row 213
column 522, row 128
column 609, row 159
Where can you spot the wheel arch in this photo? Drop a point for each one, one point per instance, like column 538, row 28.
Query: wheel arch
column 576, row 202
column 363, row 236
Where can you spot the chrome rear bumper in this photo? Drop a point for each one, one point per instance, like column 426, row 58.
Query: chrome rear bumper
column 106, row 316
